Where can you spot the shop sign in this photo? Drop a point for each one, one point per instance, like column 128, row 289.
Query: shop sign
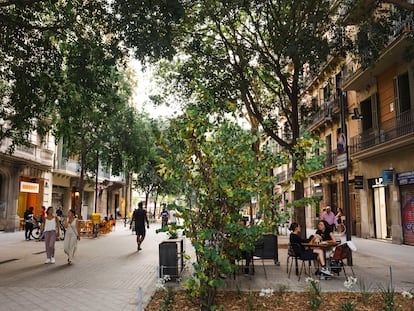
column 342, row 161
column 405, row 178
column 359, row 182
column 387, row 177
column 29, row 187
column 378, row 183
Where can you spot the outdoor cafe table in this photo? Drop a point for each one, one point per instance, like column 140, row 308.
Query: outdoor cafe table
column 324, row 245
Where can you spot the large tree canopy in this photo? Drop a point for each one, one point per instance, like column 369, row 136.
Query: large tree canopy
column 253, row 56
column 37, row 35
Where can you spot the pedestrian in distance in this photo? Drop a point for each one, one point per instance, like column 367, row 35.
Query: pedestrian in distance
column 172, row 218
column 72, row 235
column 52, row 230
column 330, row 218
column 140, row 218
column 28, row 222
column 164, row 217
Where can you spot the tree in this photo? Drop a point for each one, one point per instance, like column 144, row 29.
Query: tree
column 364, row 5
column 217, row 163
column 147, row 27
column 30, row 68
column 32, row 53
column 253, row 55
column 32, row 58
column 149, row 179
column 93, row 115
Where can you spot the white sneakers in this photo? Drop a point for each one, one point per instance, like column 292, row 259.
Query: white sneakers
column 47, row 260
column 50, row 260
column 326, row 271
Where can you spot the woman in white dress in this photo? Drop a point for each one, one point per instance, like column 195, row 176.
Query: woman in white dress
column 72, row 235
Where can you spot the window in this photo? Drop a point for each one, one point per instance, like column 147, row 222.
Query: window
column 366, row 111
column 402, row 93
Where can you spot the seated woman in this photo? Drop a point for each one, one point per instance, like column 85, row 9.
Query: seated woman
column 324, row 232
column 308, row 253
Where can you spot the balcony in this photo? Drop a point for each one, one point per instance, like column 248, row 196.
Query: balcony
column 361, row 79
column 388, row 131
column 329, row 164
column 37, row 155
column 284, row 176
column 326, row 113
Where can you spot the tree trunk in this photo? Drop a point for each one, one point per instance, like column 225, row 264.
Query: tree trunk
column 299, row 211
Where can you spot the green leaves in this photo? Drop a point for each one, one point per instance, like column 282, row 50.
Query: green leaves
column 220, row 173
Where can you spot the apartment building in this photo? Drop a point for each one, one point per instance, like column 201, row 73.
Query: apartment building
column 379, row 118
column 42, row 175
column 25, row 180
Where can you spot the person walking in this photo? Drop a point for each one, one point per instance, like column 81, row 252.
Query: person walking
column 164, row 217
column 72, row 235
column 140, row 218
column 51, row 228
column 330, row 218
column 28, row 222
column 172, row 218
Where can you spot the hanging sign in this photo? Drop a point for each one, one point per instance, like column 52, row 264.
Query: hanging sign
column 405, row 178
column 387, row 177
column 359, row 182
column 29, row 187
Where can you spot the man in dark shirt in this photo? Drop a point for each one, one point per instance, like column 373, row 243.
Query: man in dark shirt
column 28, row 219
column 140, row 218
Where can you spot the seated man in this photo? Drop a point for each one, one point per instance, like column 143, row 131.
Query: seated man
column 318, row 253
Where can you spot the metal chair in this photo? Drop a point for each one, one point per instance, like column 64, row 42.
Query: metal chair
column 337, row 263
column 305, row 257
column 291, row 257
column 258, row 254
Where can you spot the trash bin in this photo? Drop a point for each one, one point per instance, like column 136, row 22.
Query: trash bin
column 168, row 260
column 171, row 258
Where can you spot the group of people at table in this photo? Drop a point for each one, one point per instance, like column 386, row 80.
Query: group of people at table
column 323, row 237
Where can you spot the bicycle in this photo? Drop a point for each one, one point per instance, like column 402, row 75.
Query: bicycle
column 340, row 229
column 36, row 229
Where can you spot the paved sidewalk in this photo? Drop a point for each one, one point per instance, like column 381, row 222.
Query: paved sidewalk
column 374, row 262
column 108, row 271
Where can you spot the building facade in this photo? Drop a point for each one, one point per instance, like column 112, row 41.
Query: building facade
column 379, row 140
column 40, row 175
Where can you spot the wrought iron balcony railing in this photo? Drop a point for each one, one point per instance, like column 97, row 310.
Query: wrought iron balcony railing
column 400, row 126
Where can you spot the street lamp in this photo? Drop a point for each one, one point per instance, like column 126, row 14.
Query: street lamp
column 343, row 164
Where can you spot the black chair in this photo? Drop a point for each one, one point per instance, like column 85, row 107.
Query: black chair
column 258, row 254
column 266, row 249
column 337, row 263
column 292, row 257
column 244, row 263
column 306, row 256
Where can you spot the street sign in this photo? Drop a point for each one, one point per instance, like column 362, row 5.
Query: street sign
column 359, row 182
column 342, row 162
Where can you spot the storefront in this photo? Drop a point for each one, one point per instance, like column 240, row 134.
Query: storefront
column 406, row 183
column 380, row 211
